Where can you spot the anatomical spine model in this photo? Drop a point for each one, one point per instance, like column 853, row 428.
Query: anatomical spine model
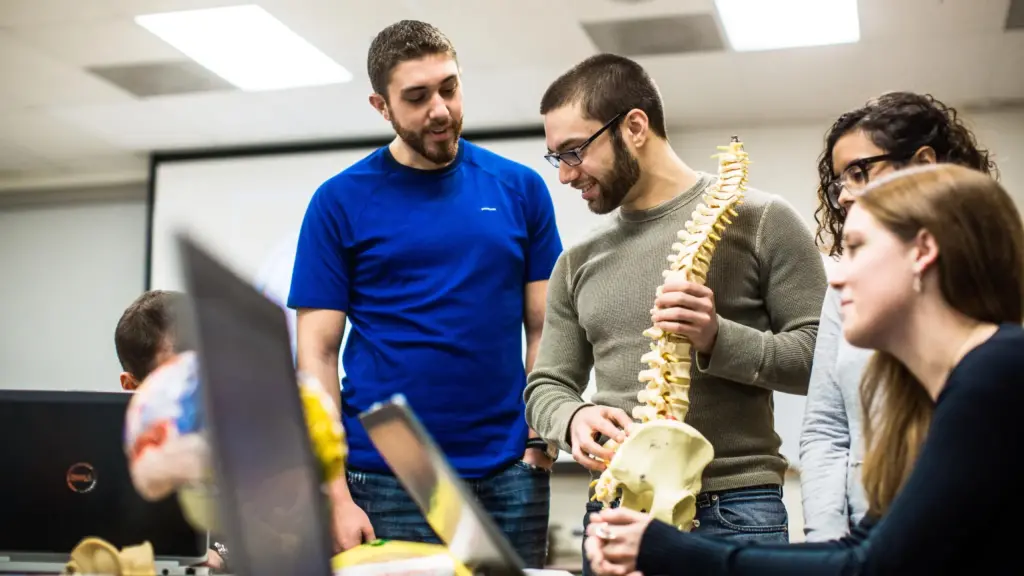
column 658, row 467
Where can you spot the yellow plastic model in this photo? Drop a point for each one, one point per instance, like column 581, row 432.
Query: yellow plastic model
column 97, row 556
column 391, row 556
column 658, row 468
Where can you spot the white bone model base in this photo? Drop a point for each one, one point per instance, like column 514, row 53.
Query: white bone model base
column 658, row 468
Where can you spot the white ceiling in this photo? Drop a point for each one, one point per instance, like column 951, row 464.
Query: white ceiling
column 60, row 124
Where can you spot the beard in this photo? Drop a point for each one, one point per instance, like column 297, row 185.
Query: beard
column 441, row 152
column 614, row 187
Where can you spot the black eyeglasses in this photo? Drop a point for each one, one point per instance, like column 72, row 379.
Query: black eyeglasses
column 856, row 176
column 573, row 157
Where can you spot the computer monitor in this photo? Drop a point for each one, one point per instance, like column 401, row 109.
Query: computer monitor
column 269, row 487
column 447, row 503
column 66, row 478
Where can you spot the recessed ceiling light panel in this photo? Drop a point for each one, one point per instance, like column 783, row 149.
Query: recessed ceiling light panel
column 246, row 46
column 752, row 25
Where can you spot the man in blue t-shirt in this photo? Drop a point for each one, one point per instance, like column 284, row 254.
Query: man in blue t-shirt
column 437, row 252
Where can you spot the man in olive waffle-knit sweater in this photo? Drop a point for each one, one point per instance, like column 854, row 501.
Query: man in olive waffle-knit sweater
column 753, row 327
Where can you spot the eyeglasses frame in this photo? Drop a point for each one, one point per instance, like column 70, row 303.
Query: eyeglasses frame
column 574, row 157
column 835, row 187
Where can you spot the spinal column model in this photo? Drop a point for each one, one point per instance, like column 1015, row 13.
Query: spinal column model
column 658, row 467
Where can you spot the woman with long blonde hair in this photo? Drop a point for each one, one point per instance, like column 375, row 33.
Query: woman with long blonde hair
column 893, row 131
column 932, row 278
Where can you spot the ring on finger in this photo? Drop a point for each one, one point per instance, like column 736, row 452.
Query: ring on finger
column 604, row 533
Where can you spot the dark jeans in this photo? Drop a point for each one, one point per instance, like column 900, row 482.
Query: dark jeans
column 517, row 498
column 742, row 515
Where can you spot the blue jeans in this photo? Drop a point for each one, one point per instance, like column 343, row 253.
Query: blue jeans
column 517, row 498
column 755, row 514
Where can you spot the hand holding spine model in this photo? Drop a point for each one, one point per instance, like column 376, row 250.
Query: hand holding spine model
column 658, row 467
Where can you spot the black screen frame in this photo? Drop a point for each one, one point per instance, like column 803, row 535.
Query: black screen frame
column 218, row 294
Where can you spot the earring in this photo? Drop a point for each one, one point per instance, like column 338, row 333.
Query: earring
column 917, row 282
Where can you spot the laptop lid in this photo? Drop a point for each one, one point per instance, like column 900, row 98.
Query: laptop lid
column 269, row 487
column 65, row 477
column 449, row 507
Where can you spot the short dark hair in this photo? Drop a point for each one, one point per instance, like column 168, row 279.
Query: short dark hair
column 898, row 123
column 399, row 42
column 146, row 326
column 605, row 86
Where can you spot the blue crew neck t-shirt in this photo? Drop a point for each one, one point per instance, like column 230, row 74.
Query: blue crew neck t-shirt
column 430, row 268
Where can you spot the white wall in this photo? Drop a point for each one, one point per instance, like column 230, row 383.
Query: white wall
column 68, row 271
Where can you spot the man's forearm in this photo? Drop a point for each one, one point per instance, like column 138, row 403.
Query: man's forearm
column 532, row 346
column 793, row 284
column 324, row 367
column 780, row 362
column 338, row 490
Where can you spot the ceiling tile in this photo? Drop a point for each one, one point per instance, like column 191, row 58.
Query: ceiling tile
column 339, row 111
column 168, row 78
column 35, row 79
column 123, row 42
column 139, row 125
column 16, row 158
column 596, row 10
column 342, row 30
column 125, row 163
column 22, row 13
column 236, row 117
column 52, row 138
column 14, row 13
column 910, row 20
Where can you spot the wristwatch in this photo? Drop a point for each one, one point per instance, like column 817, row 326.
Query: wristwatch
column 549, row 450
column 222, row 551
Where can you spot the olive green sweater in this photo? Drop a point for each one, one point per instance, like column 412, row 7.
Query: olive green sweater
column 769, row 283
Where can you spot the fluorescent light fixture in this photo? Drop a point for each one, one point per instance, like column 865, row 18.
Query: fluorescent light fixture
column 246, row 46
column 775, row 24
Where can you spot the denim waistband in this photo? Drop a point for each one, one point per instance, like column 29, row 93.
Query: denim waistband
column 705, row 499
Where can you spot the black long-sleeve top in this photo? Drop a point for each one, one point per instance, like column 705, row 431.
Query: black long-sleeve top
column 962, row 506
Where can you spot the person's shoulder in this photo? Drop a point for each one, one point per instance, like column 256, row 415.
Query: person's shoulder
column 357, row 179
column 1003, row 351
column 767, row 205
column 505, row 170
column 600, row 239
column 995, row 365
column 774, row 224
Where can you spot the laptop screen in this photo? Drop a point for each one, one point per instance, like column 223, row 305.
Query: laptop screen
column 268, row 481
column 448, row 505
column 66, row 478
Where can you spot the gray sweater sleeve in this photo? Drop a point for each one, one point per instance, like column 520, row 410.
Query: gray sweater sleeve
column 554, row 389
column 825, row 439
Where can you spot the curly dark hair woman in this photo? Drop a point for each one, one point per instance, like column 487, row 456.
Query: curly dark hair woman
column 889, row 132
column 892, row 131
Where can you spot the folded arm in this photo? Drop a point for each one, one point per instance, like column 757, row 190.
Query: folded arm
column 793, row 283
column 825, row 436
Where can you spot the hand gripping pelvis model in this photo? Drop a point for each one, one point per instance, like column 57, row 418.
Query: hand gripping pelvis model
column 658, row 468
